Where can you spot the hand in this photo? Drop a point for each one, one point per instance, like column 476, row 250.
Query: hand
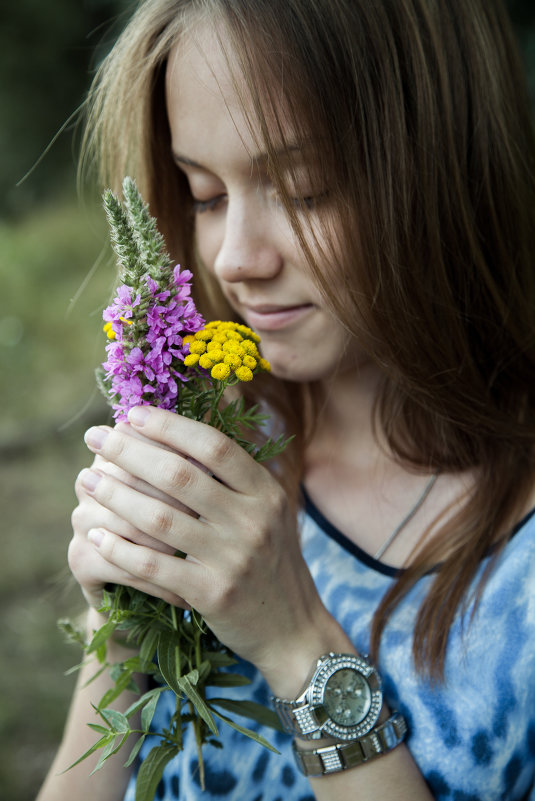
column 244, row 571
column 88, row 567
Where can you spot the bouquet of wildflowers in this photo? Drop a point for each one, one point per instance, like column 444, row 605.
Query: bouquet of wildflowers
column 161, row 352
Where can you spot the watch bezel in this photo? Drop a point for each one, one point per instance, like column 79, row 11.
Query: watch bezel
column 316, row 691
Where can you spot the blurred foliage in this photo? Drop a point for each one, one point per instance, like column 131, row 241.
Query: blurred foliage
column 47, row 54
column 55, row 280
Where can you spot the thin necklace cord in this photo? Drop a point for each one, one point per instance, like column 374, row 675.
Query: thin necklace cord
column 390, row 539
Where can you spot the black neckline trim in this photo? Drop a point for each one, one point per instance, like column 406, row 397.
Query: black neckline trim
column 354, row 549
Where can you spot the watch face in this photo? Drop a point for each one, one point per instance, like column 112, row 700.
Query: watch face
column 347, row 697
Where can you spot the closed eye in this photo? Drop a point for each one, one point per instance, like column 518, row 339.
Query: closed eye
column 200, row 206
column 309, row 201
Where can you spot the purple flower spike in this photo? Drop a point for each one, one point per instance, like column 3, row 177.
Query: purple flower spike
column 145, row 363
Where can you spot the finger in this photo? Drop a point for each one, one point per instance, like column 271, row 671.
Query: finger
column 218, row 453
column 93, row 572
column 167, row 470
column 112, row 469
column 91, row 514
column 158, row 574
column 152, row 520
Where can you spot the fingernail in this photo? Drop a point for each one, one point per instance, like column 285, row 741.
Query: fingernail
column 89, row 479
column 138, row 415
column 96, row 437
column 95, row 535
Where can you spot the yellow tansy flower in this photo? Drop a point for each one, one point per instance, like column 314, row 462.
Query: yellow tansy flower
column 203, row 334
column 197, row 347
column 248, row 333
column 249, row 347
column 249, row 362
column 244, row 374
column 110, row 333
column 226, row 347
column 233, row 360
column 206, row 362
column 220, row 371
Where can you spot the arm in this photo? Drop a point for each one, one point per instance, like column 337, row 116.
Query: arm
column 108, row 783
column 244, row 572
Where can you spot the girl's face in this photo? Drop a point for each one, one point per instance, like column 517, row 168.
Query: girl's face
column 243, row 234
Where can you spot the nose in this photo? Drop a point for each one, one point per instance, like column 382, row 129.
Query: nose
column 248, row 250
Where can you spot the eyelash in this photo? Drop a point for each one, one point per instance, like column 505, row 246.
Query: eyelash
column 200, row 206
column 308, row 203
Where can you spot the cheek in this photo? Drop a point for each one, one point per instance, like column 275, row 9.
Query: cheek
column 208, row 236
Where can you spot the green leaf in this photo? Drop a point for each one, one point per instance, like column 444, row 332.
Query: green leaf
column 151, row 771
column 99, row 744
column 140, row 703
column 115, row 719
column 168, row 662
column 148, row 712
column 72, row 633
column 95, row 676
column 198, row 702
column 135, row 751
column 101, row 636
column 247, row 732
column 250, row 709
column 99, row 729
column 121, row 683
column 227, row 680
column 149, row 646
column 110, row 750
column 271, row 448
column 219, row 658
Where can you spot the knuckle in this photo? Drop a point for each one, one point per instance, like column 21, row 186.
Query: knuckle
column 77, row 517
column 148, row 567
column 166, row 423
column 78, row 487
column 177, row 474
column 76, row 556
column 162, row 521
column 225, row 596
column 116, row 444
column 218, row 448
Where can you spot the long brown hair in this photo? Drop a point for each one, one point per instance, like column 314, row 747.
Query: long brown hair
column 418, row 116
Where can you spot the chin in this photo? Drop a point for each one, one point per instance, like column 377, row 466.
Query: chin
column 299, row 373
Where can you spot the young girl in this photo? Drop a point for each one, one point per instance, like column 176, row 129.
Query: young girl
column 355, row 181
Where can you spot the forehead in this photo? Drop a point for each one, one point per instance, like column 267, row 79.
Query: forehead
column 208, row 100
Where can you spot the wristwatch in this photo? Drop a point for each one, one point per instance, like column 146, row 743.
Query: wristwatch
column 341, row 756
column 342, row 699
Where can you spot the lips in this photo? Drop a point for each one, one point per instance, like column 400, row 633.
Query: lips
column 272, row 317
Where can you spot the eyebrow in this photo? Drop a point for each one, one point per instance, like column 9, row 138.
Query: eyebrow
column 256, row 160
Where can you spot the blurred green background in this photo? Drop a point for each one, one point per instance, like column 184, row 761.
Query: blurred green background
column 55, row 277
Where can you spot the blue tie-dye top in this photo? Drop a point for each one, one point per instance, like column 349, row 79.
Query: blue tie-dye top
column 473, row 737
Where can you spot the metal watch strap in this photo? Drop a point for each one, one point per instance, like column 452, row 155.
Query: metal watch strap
column 341, row 756
column 296, row 719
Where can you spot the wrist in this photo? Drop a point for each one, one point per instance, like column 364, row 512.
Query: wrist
column 287, row 674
